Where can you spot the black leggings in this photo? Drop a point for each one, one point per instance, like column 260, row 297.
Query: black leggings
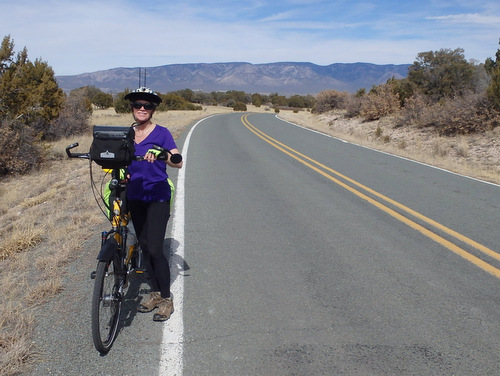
column 150, row 223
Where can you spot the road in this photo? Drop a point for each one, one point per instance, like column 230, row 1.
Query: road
column 295, row 253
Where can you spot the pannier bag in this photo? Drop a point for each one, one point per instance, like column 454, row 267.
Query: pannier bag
column 112, row 147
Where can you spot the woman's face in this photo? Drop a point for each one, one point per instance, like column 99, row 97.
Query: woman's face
column 142, row 110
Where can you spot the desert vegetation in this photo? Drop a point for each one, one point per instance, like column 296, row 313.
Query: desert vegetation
column 443, row 92
column 445, row 99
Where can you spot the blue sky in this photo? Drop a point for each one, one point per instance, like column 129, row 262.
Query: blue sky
column 78, row 36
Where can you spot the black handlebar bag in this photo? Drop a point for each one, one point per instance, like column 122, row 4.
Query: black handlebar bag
column 112, row 147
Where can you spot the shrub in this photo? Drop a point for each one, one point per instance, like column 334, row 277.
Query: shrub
column 297, row 101
column 380, row 102
column 174, row 102
column 414, row 111
column 74, row 117
column 328, row 100
column 468, row 114
column 257, row 100
column 402, row 88
column 442, row 74
column 102, row 100
column 493, row 69
column 22, row 151
column 353, row 106
column 240, row 106
column 471, row 113
column 28, row 89
column 171, row 102
column 30, row 100
column 121, row 105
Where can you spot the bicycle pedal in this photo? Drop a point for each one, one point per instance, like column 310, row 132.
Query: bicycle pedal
column 92, row 275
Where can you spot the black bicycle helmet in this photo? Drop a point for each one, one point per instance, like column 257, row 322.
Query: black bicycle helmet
column 143, row 93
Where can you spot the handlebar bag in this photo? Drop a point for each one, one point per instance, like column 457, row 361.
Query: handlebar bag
column 112, row 147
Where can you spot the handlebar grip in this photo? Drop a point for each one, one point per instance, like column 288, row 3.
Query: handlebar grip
column 176, row 158
column 69, row 147
column 76, row 155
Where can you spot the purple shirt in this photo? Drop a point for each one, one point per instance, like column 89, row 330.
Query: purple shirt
column 148, row 181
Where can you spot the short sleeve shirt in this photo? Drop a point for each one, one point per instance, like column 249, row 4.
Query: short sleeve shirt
column 148, row 181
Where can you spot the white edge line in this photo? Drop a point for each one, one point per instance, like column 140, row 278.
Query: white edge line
column 171, row 361
column 387, row 153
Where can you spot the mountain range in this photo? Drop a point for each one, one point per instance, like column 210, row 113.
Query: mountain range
column 285, row 78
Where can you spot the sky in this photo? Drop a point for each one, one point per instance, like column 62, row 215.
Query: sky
column 80, row 36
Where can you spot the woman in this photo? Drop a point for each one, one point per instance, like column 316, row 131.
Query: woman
column 149, row 198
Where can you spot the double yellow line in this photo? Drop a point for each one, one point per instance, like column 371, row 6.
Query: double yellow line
column 330, row 174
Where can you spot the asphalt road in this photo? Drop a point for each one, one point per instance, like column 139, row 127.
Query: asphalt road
column 295, row 253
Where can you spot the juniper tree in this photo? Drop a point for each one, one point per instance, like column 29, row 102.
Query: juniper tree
column 493, row 69
column 442, row 74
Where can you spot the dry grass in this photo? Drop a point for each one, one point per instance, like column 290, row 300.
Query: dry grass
column 16, row 349
column 45, row 290
column 19, row 239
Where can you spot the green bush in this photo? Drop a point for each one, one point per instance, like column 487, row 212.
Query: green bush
column 121, row 105
column 28, row 90
column 442, row 74
column 493, row 69
column 257, row 100
column 176, row 102
column 240, row 106
column 30, row 101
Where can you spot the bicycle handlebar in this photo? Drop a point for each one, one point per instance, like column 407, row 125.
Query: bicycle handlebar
column 76, row 155
column 174, row 158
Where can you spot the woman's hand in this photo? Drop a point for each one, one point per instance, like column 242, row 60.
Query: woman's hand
column 150, row 157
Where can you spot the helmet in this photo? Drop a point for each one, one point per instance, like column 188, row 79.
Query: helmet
column 144, row 93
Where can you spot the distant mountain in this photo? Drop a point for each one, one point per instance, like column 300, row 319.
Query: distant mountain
column 282, row 78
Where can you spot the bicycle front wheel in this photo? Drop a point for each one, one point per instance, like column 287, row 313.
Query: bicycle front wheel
column 106, row 304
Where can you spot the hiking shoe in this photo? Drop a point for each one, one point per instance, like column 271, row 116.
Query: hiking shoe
column 151, row 303
column 165, row 309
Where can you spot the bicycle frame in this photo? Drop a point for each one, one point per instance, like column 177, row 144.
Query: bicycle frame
column 119, row 221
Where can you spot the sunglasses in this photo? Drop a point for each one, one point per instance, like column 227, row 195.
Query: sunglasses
column 147, row 106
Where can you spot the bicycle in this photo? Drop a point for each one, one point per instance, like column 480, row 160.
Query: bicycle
column 113, row 150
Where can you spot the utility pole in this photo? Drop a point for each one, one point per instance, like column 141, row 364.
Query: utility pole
column 140, row 76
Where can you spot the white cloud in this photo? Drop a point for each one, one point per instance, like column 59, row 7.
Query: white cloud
column 473, row 18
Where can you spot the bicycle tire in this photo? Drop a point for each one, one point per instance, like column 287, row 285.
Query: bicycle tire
column 106, row 304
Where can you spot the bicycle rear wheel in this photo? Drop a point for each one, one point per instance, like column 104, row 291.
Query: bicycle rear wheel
column 106, row 304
